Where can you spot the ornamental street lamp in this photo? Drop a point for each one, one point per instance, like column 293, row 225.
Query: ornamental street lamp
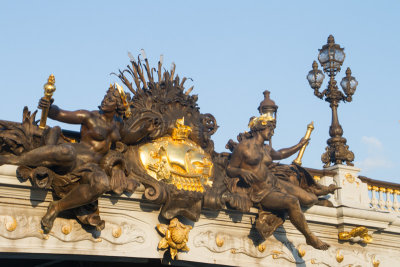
column 331, row 58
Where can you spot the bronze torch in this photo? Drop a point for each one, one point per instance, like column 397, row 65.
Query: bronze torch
column 310, row 128
column 49, row 89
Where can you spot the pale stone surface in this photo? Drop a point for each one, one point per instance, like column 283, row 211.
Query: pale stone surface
column 130, row 231
column 353, row 193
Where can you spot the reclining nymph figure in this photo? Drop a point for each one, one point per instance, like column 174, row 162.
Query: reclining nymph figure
column 251, row 161
column 86, row 169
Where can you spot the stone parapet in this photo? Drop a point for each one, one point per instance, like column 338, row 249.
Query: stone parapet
column 225, row 237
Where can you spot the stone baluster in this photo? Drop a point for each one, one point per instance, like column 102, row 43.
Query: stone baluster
column 389, row 203
column 381, row 198
column 369, row 191
column 374, row 200
column 396, row 204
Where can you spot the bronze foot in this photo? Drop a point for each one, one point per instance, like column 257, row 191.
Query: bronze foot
column 49, row 217
column 332, row 188
column 101, row 225
column 315, row 242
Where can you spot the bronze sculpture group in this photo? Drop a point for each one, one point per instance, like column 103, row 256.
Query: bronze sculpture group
column 159, row 138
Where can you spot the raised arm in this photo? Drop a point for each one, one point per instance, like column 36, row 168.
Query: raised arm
column 132, row 136
column 287, row 152
column 72, row 117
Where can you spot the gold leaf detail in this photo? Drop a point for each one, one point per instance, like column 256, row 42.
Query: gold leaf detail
column 339, row 257
column 117, row 232
column 163, row 244
column 66, row 229
column 173, row 252
column 162, row 228
column 261, row 247
column 219, row 241
column 11, row 223
column 375, row 262
column 301, row 252
column 360, row 231
column 176, row 235
column 350, row 178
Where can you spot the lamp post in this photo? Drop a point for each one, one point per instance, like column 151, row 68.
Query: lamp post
column 331, row 58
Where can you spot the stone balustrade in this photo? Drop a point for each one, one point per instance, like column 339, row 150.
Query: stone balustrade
column 383, row 195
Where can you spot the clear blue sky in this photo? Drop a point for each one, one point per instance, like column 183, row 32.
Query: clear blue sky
column 233, row 50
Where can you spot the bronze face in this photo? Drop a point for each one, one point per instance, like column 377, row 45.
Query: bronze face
column 268, row 132
column 108, row 104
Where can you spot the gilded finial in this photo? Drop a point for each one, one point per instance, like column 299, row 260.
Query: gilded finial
column 49, row 89
column 51, row 80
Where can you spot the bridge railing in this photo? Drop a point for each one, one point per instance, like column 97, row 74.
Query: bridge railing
column 383, row 195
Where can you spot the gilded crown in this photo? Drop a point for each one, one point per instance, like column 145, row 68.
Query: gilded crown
column 261, row 120
column 181, row 131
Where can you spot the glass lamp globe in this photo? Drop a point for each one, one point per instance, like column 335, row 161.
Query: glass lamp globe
column 331, row 56
column 349, row 83
column 315, row 77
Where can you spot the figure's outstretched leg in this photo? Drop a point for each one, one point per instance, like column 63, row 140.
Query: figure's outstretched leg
column 281, row 201
column 306, row 198
column 95, row 184
column 62, row 155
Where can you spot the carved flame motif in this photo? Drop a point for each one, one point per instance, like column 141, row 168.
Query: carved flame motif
column 176, row 235
column 177, row 160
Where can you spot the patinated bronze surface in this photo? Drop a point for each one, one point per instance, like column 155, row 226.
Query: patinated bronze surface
column 274, row 187
column 82, row 171
column 158, row 138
